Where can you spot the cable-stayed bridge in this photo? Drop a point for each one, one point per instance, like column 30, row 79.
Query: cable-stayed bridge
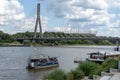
column 41, row 37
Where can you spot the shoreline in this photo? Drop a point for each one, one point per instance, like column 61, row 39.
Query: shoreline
column 65, row 46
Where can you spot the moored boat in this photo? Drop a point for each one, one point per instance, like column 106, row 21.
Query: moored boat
column 94, row 57
column 98, row 57
column 42, row 61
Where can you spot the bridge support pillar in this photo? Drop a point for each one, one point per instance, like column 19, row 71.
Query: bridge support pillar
column 38, row 21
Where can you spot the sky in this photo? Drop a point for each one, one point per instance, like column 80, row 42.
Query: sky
column 77, row 16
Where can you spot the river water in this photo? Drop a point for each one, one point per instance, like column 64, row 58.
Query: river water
column 13, row 60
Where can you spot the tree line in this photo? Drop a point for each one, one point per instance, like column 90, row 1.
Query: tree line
column 11, row 38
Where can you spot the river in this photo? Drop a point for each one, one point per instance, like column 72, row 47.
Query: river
column 13, row 60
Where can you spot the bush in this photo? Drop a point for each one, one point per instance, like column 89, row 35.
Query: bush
column 86, row 68
column 26, row 42
column 70, row 76
column 109, row 63
column 90, row 68
column 57, row 74
column 75, row 75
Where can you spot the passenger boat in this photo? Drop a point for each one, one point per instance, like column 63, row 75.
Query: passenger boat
column 42, row 61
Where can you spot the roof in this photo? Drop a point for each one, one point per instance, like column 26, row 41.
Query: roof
column 96, row 53
column 41, row 56
column 38, row 57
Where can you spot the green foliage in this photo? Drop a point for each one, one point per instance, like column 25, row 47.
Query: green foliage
column 70, row 76
column 7, row 38
column 109, row 63
column 84, row 69
column 104, row 42
column 4, row 37
column 57, row 74
column 75, row 75
column 89, row 68
column 26, row 42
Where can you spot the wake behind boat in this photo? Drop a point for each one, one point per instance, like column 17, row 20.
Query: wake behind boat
column 42, row 61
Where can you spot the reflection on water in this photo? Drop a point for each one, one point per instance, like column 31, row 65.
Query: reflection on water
column 13, row 60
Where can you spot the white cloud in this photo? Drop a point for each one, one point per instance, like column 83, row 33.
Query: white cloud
column 113, row 3
column 80, row 11
column 102, row 16
column 28, row 24
column 92, row 4
column 10, row 11
column 98, row 15
column 13, row 18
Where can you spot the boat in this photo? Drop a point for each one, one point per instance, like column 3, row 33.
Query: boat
column 98, row 57
column 41, row 62
column 94, row 57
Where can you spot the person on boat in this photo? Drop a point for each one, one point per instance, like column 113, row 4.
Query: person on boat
column 32, row 64
column 94, row 56
column 104, row 55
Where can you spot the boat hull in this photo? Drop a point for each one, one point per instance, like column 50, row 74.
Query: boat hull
column 78, row 61
column 42, row 67
column 95, row 60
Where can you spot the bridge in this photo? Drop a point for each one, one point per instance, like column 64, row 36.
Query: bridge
column 71, row 38
column 42, row 38
column 68, row 38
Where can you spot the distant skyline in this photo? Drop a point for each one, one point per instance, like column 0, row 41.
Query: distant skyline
column 101, row 16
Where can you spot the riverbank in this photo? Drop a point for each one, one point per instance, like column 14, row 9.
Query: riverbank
column 39, row 45
column 13, row 45
column 89, row 69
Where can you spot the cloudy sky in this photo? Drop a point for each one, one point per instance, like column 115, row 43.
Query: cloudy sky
column 101, row 16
